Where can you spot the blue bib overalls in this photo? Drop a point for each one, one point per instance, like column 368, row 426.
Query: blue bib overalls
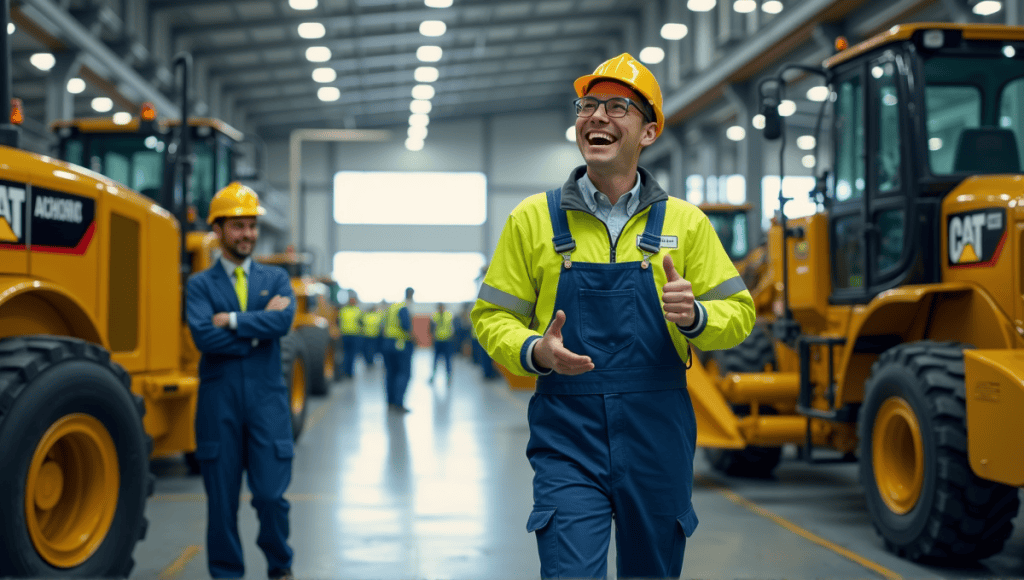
column 618, row 441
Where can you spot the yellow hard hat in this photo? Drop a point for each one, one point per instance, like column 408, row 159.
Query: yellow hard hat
column 626, row 69
column 235, row 200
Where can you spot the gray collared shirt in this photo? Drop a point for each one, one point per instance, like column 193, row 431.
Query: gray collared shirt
column 613, row 216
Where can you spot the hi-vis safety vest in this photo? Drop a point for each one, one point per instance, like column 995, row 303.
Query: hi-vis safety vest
column 371, row 323
column 393, row 326
column 444, row 328
column 349, row 319
column 517, row 297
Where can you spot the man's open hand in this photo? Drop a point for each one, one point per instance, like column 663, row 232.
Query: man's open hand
column 549, row 352
column 677, row 295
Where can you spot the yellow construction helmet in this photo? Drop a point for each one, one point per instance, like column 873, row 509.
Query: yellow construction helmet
column 627, row 70
column 235, row 200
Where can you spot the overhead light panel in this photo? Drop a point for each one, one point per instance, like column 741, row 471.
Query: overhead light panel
column 806, row 142
column 757, row 121
column 1009, row 51
column 42, row 60
column 312, row 30
column 302, row 4
column 318, row 54
column 744, row 6
column 987, row 7
column 700, row 5
column 328, row 94
column 419, row 120
column 818, row 94
column 787, row 108
column 652, row 55
column 11, row 28
column 772, row 7
column 429, row 53
column 414, row 144
column 433, row 28
column 122, row 118
column 673, row 31
column 425, row 92
column 75, row 85
column 325, row 74
column 102, row 104
column 437, row 3
column 736, row 133
column 417, row 132
column 807, row 161
column 934, row 144
column 570, row 134
column 425, row 74
column 420, row 106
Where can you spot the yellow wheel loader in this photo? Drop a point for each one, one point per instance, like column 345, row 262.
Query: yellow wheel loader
column 898, row 331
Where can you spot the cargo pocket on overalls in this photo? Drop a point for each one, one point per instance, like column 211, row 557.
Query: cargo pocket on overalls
column 284, row 448
column 547, row 537
column 207, row 451
column 608, row 318
column 687, row 523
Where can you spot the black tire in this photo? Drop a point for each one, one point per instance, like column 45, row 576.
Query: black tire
column 953, row 516
column 317, row 341
column 293, row 372
column 754, row 355
column 67, row 397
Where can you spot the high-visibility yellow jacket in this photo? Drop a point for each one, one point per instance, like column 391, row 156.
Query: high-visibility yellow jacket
column 350, row 318
column 442, row 326
column 371, row 323
column 518, row 293
column 393, row 325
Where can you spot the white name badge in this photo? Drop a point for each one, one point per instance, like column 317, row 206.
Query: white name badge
column 666, row 241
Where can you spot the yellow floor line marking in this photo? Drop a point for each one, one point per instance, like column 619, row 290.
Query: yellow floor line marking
column 739, row 500
column 313, row 419
column 178, row 566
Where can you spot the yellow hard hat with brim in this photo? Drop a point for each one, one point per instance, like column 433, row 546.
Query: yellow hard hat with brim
column 630, row 72
column 235, row 200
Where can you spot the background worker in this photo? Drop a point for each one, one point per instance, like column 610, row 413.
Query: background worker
column 398, row 347
column 598, row 286
column 372, row 321
column 238, row 310
column 442, row 330
column 350, row 319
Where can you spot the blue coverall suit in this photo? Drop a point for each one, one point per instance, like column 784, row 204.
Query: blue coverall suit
column 243, row 419
column 616, row 442
column 397, row 353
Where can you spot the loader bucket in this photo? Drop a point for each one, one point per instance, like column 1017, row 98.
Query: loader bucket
column 717, row 425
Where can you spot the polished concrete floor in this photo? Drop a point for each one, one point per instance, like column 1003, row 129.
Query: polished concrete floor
column 444, row 492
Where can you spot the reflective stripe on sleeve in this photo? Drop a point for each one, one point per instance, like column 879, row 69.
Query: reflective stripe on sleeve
column 724, row 290
column 506, row 300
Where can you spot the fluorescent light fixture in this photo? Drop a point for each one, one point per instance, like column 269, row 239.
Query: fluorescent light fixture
column 302, row 4
column 877, row 72
column 674, row 31
column 425, row 92
column 318, row 54
column 42, row 60
column 987, row 7
column 417, row 132
column 570, row 134
column 414, row 144
column 419, row 120
column 11, row 28
column 1009, row 51
column 437, row 3
column 744, row 6
column 325, row 74
column 328, row 94
column 806, row 142
column 102, row 104
column 75, row 85
column 652, row 55
column 787, row 108
column 757, row 121
column 934, row 144
column 432, row 28
column 807, row 161
column 122, row 118
column 736, row 133
column 700, row 5
column 420, row 106
column 429, row 53
column 425, row 74
column 312, row 30
column 772, row 6
column 817, row 94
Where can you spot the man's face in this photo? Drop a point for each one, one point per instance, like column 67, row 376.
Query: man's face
column 238, row 236
column 613, row 143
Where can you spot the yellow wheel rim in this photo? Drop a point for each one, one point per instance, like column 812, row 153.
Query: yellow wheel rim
column 329, row 363
column 897, row 455
column 72, row 490
column 298, row 387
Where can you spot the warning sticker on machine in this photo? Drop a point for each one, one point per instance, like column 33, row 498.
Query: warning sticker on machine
column 976, row 237
column 61, row 222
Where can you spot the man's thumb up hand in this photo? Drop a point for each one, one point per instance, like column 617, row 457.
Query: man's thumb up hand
column 677, row 295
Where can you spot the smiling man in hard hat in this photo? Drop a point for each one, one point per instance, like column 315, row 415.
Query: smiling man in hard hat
column 598, row 287
column 238, row 310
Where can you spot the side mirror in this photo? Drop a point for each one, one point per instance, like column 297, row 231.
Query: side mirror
column 772, row 121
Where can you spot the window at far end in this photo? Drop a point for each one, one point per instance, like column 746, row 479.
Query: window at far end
column 449, row 277
column 410, row 198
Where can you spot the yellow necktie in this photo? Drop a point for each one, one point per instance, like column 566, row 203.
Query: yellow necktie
column 241, row 287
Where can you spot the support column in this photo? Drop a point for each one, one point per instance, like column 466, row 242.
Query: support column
column 59, row 102
column 749, row 152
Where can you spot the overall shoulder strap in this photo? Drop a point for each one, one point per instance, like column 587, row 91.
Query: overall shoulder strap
column 559, row 223
column 650, row 240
